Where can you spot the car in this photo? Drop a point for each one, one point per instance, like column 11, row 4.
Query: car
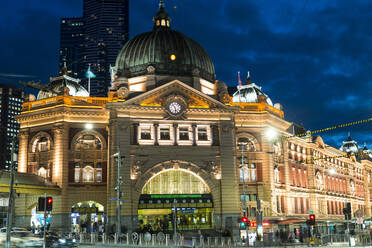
column 14, row 229
column 23, row 239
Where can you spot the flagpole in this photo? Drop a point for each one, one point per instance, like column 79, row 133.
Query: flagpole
column 239, row 86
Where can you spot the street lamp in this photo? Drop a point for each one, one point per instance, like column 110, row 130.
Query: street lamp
column 271, row 134
column 89, row 126
column 332, row 171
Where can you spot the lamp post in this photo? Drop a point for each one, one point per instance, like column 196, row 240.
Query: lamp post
column 118, row 194
column 9, row 217
column 243, row 147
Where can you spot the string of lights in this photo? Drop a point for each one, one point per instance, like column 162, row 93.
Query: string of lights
column 329, row 128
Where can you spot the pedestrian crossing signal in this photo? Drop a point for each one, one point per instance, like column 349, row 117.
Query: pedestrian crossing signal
column 244, row 222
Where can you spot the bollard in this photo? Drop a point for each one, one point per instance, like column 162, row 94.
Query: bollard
column 103, row 238
column 193, row 242
column 201, row 241
column 228, row 242
column 140, row 239
column 209, row 242
column 215, row 241
column 166, row 240
column 153, row 239
column 116, row 238
column 81, row 237
column 222, row 241
column 127, row 235
column 92, row 237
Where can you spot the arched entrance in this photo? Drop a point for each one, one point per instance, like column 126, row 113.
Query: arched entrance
column 87, row 216
column 178, row 189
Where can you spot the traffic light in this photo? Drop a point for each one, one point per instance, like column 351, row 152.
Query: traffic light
column 49, row 203
column 347, row 211
column 42, row 203
column 312, row 219
column 244, row 222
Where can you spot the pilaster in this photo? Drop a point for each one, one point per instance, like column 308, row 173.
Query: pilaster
column 23, row 150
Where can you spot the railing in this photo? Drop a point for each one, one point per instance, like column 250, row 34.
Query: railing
column 67, row 100
column 89, row 154
column 39, row 156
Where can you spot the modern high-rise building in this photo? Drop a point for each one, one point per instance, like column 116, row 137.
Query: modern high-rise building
column 106, row 31
column 95, row 40
column 71, row 46
column 11, row 99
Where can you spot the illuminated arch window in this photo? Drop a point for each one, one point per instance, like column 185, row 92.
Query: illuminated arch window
column 41, row 144
column 88, row 141
column 42, row 172
column 276, row 174
column 175, row 182
column 246, row 145
column 88, row 174
column 248, row 173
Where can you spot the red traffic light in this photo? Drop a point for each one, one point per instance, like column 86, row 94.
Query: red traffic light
column 50, row 200
column 244, row 219
column 312, row 217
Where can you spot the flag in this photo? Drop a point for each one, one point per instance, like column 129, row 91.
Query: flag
column 239, row 80
column 89, row 73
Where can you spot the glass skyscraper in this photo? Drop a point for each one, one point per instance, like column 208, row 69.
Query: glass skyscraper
column 11, row 99
column 105, row 29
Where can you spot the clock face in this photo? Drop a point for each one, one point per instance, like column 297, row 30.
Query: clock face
column 174, row 108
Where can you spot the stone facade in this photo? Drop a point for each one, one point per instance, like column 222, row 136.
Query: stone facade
column 291, row 175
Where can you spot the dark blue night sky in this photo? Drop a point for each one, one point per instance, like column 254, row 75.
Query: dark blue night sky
column 314, row 57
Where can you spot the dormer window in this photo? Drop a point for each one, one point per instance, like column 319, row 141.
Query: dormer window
column 157, row 22
column 163, row 22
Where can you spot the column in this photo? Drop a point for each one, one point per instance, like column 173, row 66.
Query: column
column 156, row 134
column 287, row 178
column 60, row 156
column 23, row 150
column 194, row 134
column 215, row 138
column 366, row 193
column 135, row 133
column 175, row 127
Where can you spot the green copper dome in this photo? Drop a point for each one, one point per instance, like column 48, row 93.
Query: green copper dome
column 168, row 51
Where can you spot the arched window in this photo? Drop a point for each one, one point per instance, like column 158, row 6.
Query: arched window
column 248, row 173
column 175, row 182
column 41, row 144
column 88, row 174
column 276, row 174
column 245, row 145
column 88, row 142
column 319, row 180
column 42, row 172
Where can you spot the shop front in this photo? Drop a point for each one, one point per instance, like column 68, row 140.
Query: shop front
column 175, row 197
column 87, row 217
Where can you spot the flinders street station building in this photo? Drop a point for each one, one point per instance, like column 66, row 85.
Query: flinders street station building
column 185, row 142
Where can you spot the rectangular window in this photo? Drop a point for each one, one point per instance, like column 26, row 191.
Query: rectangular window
column 164, row 134
column 145, row 133
column 184, row 133
column 77, row 175
column 98, row 175
column 202, row 133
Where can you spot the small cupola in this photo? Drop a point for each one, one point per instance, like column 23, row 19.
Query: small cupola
column 161, row 19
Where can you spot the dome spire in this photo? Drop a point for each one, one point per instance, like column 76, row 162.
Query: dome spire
column 161, row 18
column 161, row 4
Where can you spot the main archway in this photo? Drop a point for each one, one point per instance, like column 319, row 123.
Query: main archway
column 175, row 191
